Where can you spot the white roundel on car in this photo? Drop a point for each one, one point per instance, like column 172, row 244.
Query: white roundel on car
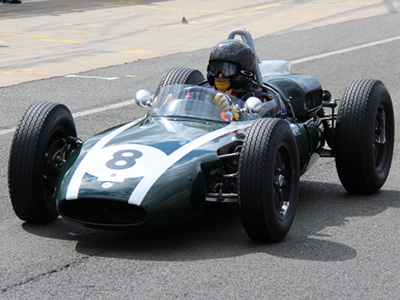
column 115, row 163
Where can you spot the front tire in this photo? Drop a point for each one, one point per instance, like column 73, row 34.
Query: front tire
column 180, row 75
column 39, row 149
column 268, row 180
column 364, row 136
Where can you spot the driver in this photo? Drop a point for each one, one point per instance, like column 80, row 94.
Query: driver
column 231, row 69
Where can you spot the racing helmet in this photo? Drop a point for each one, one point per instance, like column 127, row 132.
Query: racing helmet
column 235, row 59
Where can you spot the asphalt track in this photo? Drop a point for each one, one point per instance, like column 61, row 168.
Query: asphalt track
column 66, row 41
column 340, row 246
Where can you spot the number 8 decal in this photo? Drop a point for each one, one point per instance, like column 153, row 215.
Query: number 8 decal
column 124, row 159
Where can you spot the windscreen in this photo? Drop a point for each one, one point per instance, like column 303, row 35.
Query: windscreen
column 181, row 100
column 192, row 101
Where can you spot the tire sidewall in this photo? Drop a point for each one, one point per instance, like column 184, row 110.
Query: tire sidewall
column 287, row 142
column 355, row 160
column 381, row 99
column 58, row 124
column 256, row 189
column 29, row 194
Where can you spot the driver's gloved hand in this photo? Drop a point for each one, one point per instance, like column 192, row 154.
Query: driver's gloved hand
column 169, row 97
column 223, row 102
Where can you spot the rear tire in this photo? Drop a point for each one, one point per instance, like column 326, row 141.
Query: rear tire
column 364, row 136
column 39, row 148
column 268, row 180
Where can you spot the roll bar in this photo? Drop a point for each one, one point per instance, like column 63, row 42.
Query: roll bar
column 247, row 38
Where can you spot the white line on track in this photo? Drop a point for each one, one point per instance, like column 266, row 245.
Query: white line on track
column 83, row 113
column 91, row 77
column 26, row 1
column 102, row 109
column 7, row 131
column 345, row 50
column 296, row 61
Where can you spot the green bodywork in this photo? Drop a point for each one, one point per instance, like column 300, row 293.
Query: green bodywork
column 187, row 148
column 179, row 193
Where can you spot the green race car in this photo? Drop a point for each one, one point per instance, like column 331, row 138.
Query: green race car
column 162, row 169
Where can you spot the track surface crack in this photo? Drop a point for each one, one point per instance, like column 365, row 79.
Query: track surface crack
column 41, row 275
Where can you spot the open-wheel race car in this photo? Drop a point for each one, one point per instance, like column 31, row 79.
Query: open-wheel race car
column 161, row 170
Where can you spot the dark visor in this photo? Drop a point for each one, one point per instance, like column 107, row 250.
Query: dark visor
column 226, row 68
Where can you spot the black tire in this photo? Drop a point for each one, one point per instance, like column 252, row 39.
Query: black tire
column 268, row 180
column 181, row 76
column 37, row 150
column 364, row 136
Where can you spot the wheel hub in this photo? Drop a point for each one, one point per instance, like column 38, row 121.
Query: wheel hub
column 281, row 202
column 279, row 181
